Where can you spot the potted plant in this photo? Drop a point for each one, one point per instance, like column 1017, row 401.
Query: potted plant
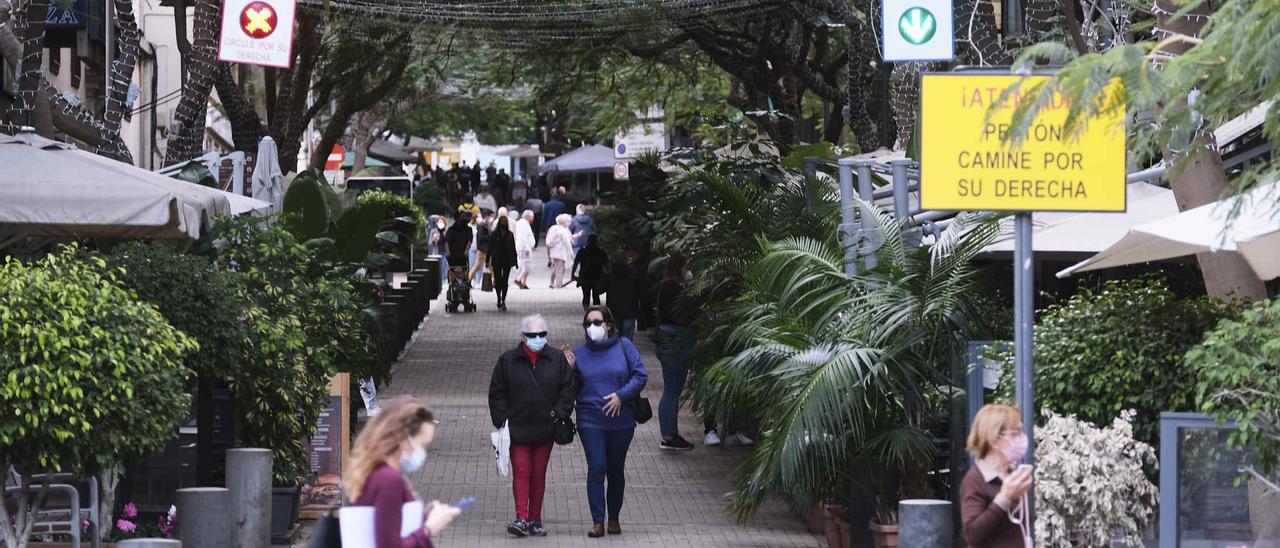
column 884, row 526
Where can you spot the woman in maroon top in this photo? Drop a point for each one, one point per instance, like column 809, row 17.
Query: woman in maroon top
column 392, row 444
column 993, row 505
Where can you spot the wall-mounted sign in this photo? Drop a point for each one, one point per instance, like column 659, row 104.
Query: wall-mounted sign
column 966, row 162
column 257, row 32
column 917, row 30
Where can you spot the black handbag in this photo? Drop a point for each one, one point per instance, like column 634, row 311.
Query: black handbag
column 328, row 531
column 641, row 409
column 565, row 430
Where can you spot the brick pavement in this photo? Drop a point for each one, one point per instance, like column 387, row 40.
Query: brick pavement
column 672, row 499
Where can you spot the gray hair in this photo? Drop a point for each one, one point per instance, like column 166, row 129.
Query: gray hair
column 528, row 214
column 528, row 321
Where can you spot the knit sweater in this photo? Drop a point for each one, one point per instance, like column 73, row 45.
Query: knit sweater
column 602, row 370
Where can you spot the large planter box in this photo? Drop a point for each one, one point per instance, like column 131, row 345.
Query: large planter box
column 284, row 513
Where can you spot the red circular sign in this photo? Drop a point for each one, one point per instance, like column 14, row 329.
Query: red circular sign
column 258, row 20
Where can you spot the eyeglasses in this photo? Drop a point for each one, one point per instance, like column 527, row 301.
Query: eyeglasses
column 592, row 322
column 540, row 334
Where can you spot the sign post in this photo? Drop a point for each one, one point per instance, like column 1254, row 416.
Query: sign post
column 967, row 162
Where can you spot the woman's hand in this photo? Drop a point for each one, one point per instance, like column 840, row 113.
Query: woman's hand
column 438, row 516
column 568, row 355
column 612, row 405
column 1016, row 484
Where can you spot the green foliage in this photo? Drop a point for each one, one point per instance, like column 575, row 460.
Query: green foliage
column 310, row 214
column 1120, row 348
column 1238, row 368
column 283, row 384
column 89, row 375
column 194, row 296
column 401, row 226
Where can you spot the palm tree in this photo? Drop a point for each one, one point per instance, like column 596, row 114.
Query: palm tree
column 839, row 368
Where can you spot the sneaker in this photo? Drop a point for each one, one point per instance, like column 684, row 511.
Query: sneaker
column 739, row 439
column 712, row 439
column 536, row 529
column 676, row 443
column 519, row 528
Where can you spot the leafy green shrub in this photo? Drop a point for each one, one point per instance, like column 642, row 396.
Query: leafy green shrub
column 283, row 384
column 1238, row 366
column 401, row 227
column 1119, row 348
column 194, row 296
column 89, row 375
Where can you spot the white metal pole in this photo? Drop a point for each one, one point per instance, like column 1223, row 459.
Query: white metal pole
column 1024, row 323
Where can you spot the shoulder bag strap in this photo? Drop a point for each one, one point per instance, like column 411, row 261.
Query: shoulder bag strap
column 541, row 391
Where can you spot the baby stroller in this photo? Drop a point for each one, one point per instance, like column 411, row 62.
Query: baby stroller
column 459, row 295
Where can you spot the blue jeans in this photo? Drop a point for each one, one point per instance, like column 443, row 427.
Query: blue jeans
column 627, row 328
column 606, row 452
column 675, row 343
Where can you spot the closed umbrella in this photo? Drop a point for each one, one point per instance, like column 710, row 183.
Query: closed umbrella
column 54, row 189
column 1254, row 232
column 267, row 179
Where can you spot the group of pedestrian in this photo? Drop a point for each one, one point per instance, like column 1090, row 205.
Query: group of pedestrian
column 533, row 388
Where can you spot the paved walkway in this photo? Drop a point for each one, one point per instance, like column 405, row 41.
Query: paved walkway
column 672, row 499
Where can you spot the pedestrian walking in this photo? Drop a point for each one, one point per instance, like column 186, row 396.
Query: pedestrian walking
column 457, row 240
column 485, row 199
column 525, row 241
column 993, row 505
column 559, row 250
column 610, row 377
column 502, row 258
column 623, row 298
column 483, row 232
column 530, row 385
column 590, row 266
column 436, row 226
column 553, row 209
column 675, row 340
column 391, row 445
column 581, row 227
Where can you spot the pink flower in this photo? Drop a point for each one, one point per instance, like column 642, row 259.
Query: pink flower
column 130, row 511
column 125, row 525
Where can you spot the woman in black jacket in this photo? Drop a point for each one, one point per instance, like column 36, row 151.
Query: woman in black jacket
column 589, row 267
column 530, row 384
column 502, row 258
column 623, row 298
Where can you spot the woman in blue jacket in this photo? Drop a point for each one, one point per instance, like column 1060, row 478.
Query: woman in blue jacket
column 610, row 376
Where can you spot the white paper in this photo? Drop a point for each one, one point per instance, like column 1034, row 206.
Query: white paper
column 410, row 518
column 357, row 523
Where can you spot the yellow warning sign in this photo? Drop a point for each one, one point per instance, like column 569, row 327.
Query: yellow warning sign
column 966, row 162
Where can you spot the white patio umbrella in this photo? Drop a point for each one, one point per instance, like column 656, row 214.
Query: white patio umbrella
column 1253, row 233
column 54, row 189
column 267, row 179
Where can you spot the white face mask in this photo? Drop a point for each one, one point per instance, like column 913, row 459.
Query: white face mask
column 595, row 332
column 413, row 461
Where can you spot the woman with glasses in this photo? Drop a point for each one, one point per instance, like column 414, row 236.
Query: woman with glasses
column 993, row 505
column 610, row 377
column 530, row 384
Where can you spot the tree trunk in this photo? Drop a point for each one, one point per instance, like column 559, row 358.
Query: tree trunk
column 246, row 126
column 1200, row 178
column 186, row 136
column 108, row 481
column 29, row 68
column 333, row 131
column 289, row 113
column 122, row 67
column 10, row 45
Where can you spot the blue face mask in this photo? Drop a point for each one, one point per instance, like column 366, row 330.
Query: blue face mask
column 413, row 461
column 535, row 343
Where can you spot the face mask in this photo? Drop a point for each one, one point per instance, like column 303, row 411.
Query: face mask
column 413, row 461
column 535, row 343
column 440, row 225
column 1017, row 448
column 688, row 276
column 595, row 332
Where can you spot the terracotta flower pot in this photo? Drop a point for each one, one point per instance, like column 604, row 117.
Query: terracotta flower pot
column 833, row 516
column 886, row 536
column 814, row 520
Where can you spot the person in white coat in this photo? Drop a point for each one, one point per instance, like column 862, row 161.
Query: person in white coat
column 525, row 240
column 560, row 248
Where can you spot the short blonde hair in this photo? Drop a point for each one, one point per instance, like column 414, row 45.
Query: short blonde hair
column 990, row 422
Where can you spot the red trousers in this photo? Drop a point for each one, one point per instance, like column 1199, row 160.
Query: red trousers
column 529, row 468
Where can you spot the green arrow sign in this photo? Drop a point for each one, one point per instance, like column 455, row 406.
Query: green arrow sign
column 917, row 25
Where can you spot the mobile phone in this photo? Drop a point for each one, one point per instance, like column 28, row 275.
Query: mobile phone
column 1026, row 467
column 464, row 503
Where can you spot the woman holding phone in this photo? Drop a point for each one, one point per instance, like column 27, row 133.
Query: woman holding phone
column 610, row 376
column 993, row 505
column 393, row 444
